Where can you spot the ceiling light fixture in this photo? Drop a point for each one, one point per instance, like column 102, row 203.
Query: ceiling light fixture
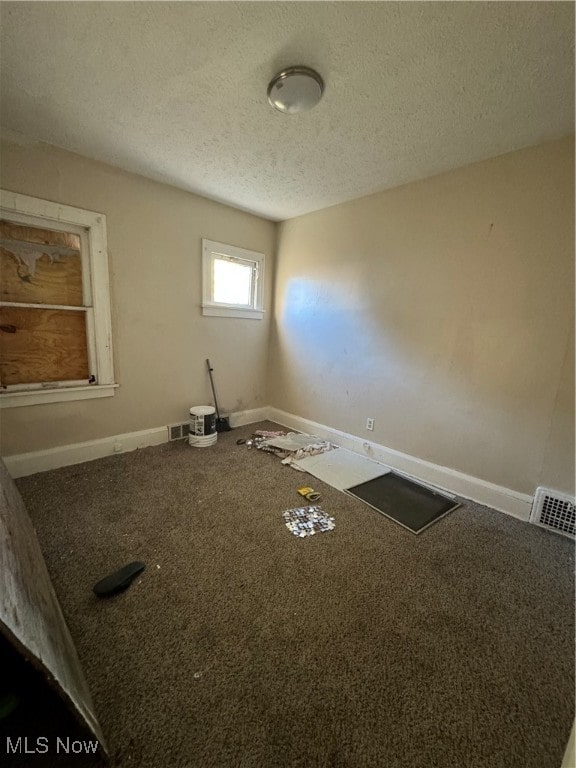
column 295, row 89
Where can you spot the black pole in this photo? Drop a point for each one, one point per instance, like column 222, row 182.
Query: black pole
column 210, row 369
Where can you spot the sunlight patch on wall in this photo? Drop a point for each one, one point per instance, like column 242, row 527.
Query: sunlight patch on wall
column 326, row 318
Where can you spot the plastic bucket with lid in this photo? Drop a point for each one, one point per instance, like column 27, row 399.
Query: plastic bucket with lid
column 202, row 426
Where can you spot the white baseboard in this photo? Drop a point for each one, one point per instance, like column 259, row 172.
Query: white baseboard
column 503, row 499
column 240, row 418
column 23, row 464
column 450, row 480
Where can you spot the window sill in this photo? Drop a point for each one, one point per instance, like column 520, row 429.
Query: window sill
column 216, row 310
column 56, row 395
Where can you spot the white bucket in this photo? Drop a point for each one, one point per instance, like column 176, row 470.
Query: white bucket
column 202, row 442
column 202, row 426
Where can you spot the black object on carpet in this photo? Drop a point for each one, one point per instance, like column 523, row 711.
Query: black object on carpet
column 119, row 580
column 408, row 503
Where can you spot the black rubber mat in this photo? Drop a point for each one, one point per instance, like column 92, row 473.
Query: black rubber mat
column 410, row 504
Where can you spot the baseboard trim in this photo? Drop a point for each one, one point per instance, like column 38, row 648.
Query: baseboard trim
column 241, row 418
column 23, row 464
column 450, row 480
column 20, row 465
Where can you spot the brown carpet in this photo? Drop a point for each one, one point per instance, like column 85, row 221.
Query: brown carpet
column 243, row 646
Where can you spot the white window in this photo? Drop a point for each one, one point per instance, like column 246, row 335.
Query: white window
column 55, row 326
column 233, row 280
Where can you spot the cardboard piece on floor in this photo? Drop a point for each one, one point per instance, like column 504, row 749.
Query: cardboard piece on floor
column 341, row 468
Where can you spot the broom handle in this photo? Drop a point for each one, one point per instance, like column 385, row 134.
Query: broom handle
column 210, row 369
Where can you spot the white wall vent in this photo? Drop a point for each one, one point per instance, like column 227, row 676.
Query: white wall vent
column 554, row 510
column 178, row 431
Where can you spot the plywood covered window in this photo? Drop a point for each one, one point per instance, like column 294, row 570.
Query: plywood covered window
column 54, row 305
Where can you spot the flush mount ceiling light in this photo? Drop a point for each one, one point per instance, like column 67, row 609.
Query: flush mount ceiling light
column 295, row 89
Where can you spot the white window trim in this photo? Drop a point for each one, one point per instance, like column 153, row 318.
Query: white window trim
column 210, row 308
column 12, row 205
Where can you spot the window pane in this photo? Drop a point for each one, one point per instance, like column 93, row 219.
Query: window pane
column 38, row 345
column 233, row 282
column 39, row 266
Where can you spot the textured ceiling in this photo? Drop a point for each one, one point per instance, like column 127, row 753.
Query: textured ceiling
column 177, row 91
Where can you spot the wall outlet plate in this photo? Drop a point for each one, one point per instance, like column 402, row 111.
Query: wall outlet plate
column 370, row 424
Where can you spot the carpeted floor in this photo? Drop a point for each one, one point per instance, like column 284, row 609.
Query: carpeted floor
column 242, row 646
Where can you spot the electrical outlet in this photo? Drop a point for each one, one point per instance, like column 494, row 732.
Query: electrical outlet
column 370, row 424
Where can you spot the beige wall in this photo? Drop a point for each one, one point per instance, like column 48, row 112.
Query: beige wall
column 444, row 309
column 160, row 338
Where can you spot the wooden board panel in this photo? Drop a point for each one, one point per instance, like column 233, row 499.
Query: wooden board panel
column 30, row 615
column 42, row 345
column 39, row 266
